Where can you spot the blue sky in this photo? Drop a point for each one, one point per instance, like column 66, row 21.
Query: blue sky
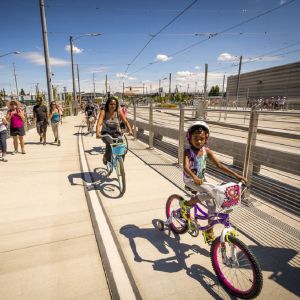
column 126, row 26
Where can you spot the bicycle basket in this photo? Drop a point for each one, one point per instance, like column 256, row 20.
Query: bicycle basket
column 227, row 196
column 118, row 149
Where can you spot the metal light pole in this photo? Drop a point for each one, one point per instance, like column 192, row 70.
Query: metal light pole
column 73, row 73
column 71, row 40
column 94, row 86
column 78, row 80
column 16, row 81
column 238, row 80
column 46, row 51
column 13, row 52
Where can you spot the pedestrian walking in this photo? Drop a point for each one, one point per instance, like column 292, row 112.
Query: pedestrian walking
column 40, row 117
column 16, row 118
column 3, row 136
column 54, row 117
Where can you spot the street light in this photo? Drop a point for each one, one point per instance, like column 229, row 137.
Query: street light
column 159, row 83
column 72, row 39
column 12, row 52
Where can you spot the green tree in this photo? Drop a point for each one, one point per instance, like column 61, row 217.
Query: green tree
column 214, row 91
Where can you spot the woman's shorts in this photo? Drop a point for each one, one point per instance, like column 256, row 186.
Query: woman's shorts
column 17, row 131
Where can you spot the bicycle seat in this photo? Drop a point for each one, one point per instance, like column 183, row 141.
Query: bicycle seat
column 187, row 188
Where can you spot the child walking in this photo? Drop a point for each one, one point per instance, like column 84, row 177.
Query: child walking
column 194, row 172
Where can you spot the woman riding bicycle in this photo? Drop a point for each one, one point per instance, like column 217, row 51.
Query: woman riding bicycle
column 109, row 123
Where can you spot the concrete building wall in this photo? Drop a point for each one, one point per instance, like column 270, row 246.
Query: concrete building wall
column 272, row 82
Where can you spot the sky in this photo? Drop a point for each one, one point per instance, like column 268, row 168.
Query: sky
column 177, row 37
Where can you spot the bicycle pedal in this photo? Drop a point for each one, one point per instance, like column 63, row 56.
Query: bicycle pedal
column 193, row 230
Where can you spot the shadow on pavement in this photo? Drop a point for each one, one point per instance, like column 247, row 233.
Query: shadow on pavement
column 95, row 151
column 175, row 262
column 41, row 144
column 276, row 260
column 99, row 180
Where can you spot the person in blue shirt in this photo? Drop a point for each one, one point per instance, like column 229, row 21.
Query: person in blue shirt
column 54, row 118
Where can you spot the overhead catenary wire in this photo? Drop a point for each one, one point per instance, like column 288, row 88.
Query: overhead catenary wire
column 156, row 34
column 219, row 33
column 261, row 56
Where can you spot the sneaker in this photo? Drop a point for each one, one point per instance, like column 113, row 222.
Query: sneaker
column 44, row 144
column 55, row 140
column 185, row 210
column 208, row 235
column 58, row 143
column 23, row 151
column 4, row 159
column 15, row 152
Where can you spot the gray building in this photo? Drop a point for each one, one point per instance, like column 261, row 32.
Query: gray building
column 272, row 82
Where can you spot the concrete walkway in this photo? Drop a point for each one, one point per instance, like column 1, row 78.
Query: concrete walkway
column 179, row 267
column 47, row 243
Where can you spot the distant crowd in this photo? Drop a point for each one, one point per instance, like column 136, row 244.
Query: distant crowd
column 268, row 103
column 14, row 119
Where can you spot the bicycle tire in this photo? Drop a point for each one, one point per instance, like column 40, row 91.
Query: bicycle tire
column 254, row 271
column 182, row 226
column 125, row 141
column 121, row 175
column 109, row 168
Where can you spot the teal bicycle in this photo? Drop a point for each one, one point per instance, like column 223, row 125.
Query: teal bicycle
column 118, row 150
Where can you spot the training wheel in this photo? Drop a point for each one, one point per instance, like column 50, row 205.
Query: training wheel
column 160, row 225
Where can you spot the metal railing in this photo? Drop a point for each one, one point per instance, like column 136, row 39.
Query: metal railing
column 264, row 146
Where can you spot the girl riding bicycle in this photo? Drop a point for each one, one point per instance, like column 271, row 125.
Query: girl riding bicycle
column 194, row 172
column 109, row 123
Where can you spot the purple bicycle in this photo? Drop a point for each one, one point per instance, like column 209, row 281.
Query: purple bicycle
column 233, row 262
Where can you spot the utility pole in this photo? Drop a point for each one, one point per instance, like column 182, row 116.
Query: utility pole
column 16, row 81
column 106, row 84
column 238, row 80
column 94, row 86
column 223, row 86
column 73, row 72
column 37, row 89
column 205, row 80
column 143, row 89
column 46, row 51
column 170, row 80
column 78, row 85
column 123, row 91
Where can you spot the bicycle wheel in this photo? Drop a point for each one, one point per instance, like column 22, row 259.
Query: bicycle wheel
column 109, row 168
column 121, row 175
column 178, row 225
column 125, row 141
column 236, row 267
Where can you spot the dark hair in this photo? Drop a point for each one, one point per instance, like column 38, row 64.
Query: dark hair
column 51, row 109
column 108, row 102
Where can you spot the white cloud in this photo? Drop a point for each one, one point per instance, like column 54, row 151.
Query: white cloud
column 2, row 66
column 38, row 59
column 282, row 2
column 122, row 76
column 95, row 70
column 197, row 67
column 227, row 57
column 163, row 57
column 183, row 73
column 76, row 50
